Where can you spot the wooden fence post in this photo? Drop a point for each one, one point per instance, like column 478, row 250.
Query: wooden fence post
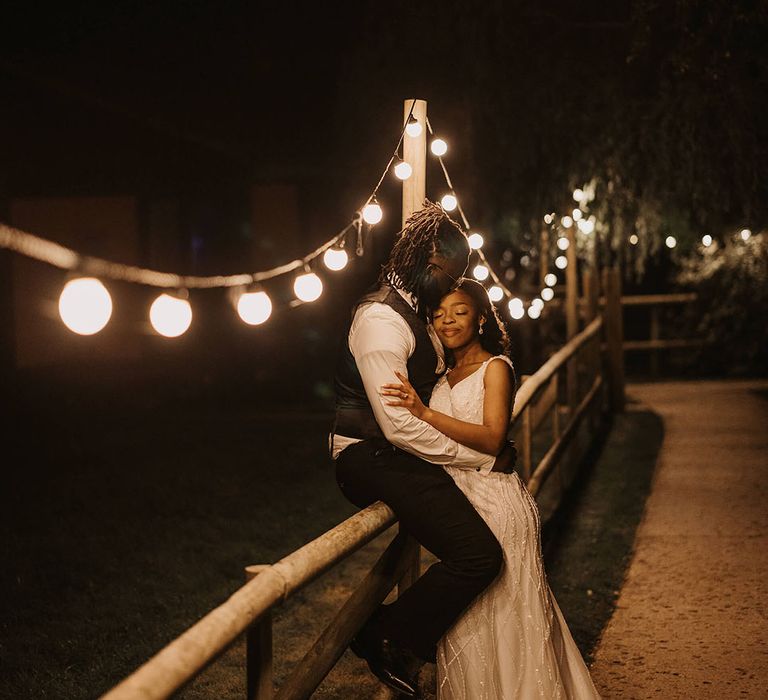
column 614, row 332
column 654, row 336
column 414, row 192
column 258, row 650
column 571, row 317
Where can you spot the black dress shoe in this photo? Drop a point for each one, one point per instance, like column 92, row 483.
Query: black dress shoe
column 389, row 663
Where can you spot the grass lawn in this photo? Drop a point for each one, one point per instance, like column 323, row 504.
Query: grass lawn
column 124, row 520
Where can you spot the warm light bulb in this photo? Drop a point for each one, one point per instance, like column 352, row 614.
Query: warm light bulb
column 547, row 218
column 335, row 258
column 413, row 128
column 516, row 309
column 578, row 194
column 586, row 225
column 439, row 147
column 476, row 241
column 254, row 307
column 495, row 293
column 550, row 279
column 561, row 262
column 403, row 170
column 633, row 239
column 449, row 202
column 566, row 221
column 170, row 316
column 706, row 240
column 480, row 272
column 534, row 311
column 85, row 305
column 745, row 234
column 547, row 294
column 372, row 213
column 563, row 243
column 577, row 214
column 671, row 241
column 537, row 302
column 308, row 286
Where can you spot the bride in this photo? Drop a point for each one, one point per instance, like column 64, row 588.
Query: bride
column 512, row 642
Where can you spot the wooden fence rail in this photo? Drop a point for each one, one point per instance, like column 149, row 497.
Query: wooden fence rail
column 566, row 388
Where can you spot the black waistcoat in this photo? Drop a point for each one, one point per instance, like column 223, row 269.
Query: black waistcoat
column 354, row 415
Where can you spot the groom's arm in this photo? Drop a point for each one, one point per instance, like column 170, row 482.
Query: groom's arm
column 381, row 343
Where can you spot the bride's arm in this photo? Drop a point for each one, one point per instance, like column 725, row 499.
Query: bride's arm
column 490, row 436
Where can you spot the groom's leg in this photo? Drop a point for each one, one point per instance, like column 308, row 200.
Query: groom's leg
column 436, row 512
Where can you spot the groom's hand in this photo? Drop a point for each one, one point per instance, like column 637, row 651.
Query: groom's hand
column 505, row 461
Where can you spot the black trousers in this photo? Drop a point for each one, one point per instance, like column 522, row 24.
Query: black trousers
column 436, row 512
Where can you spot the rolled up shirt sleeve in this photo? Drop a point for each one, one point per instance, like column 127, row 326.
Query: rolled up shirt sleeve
column 381, row 342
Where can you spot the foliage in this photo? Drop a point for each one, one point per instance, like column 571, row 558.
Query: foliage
column 731, row 280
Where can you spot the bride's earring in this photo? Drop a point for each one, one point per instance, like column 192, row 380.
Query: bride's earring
column 481, row 329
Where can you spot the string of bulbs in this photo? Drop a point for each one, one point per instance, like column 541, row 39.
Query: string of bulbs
column 85, row 305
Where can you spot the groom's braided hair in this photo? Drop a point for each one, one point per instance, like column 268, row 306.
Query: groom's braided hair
column 427, row 231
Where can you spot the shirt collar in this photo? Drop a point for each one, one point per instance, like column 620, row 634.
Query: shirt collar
column 411, row 299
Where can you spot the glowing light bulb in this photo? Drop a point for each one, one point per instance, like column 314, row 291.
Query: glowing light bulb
column 561, row 262
column 476, row 241
column 335, row 258
column 403, row 170
column 586, row 225
column 566, row 221
column 547, row 218
column 745, row 234
column 577, row 214
column 671, row 241
column 537, row 302
column 547, row 294
column 254, row 307
column 633, row 239
column 578, row 194
column 563, row 243
column 413, row 127
column 439, row 147
column 449, row 202
column 706, row 240
column 495, row 293
column 372, row 213
column 534, row 311
column 516, row 309
column 85, row 305
column 480, row 272
column 308, row 287
column 170, row 316
column 550, row 279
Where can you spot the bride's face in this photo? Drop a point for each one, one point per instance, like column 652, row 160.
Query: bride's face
column 456, row 320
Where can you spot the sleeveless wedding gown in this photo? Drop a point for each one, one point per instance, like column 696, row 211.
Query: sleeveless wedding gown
column 512, row 642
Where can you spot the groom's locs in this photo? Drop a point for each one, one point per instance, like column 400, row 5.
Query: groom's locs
column 385, row 453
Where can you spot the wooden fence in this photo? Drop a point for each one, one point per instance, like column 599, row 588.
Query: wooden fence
column 566, row 389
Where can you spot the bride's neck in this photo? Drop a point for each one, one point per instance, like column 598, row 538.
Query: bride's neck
column 470, row 353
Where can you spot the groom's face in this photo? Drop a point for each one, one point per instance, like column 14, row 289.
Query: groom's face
column 442, row 275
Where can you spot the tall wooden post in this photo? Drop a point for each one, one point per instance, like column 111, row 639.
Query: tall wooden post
column 571, row 315
column 414, row 192
column 258, row 649
column 415, row 154
column 614, row 332
column 543, row 255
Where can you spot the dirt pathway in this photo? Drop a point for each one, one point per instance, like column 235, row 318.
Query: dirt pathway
column 691, row 617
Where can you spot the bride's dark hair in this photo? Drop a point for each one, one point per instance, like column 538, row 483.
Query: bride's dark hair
column 494, row 338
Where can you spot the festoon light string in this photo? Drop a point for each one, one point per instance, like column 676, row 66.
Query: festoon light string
column 85, row 305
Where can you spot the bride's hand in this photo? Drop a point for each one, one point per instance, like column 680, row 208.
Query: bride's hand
column 405, row 395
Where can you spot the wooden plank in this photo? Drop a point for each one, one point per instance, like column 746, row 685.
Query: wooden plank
column 188, row 654
column 332, row 642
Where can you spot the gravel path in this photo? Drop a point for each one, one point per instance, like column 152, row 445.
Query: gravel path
column 691, row 617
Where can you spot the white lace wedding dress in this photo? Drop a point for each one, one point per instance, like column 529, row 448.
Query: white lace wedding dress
column 512, row 643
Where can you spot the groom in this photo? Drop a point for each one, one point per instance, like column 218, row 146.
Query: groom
column 385, row 453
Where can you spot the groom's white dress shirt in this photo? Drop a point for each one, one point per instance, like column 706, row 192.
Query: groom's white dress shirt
column 381, row 342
